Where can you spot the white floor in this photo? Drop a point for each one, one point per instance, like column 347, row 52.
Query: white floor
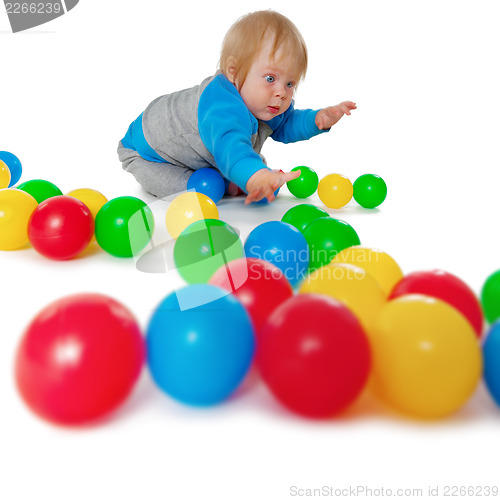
column 426, row 83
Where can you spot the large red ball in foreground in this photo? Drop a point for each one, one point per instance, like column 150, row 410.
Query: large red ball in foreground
column 447, row 287
column 314, row 355
column 61, row 227
column 79, row 358
column 259, row 286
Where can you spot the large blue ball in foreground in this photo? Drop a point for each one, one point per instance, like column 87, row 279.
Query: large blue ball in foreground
column 280, row 244
column 14, row 165
column 491, row 362
column 200, row 345
column 208, row 182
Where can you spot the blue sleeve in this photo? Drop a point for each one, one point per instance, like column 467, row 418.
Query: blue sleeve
column 295, row 125
column 226, row 128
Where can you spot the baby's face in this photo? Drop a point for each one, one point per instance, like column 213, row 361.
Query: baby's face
column 270, row 84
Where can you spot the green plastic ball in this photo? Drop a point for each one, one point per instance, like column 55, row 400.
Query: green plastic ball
column 124, row 226
column 205, row 246
column 490, row 297
column 369, row 190
column 327, row 237
column 305, row 185
column 301, row 215
column 40, row 189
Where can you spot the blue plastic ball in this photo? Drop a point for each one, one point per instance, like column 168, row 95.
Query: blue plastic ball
column 208, row 182
column 12, row 161
column 200, row 344
column 280, row 244
column 491, row 362
column 264, row 200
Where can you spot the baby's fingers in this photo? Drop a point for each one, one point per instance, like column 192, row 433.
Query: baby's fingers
column 254, row 195
column 289, row 177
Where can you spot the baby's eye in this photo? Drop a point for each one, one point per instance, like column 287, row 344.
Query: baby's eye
column 270, row 78
column 290, row 85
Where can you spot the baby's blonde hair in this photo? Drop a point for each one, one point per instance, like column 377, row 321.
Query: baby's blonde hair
column 245, row 38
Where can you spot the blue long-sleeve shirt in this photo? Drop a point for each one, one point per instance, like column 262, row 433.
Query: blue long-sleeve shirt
column 210, row 125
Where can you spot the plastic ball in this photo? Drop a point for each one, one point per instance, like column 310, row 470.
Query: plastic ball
column 370, row 190
column 4, row 175
column 446, row 287
column 490, row 297
column 61, row 227
column 280, row 244
column 327, row 237
column 265, row 201
column 92, row 198
column 259, row 285
column 209, row 182
column 301, row 215
column 379, row 264
column 79, row 359
column 314, row 356
column 305, row 185
column 335, row 190
column 352, row 286
column 16, row 208
column 40, row 189
column 203, row 247
column 426, row 357
column 491, row 357
column 188, row 208
column 14, row 166
column 124, row 226
column 200, row 345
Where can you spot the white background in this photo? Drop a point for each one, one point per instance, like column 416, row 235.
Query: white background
column 425, row 78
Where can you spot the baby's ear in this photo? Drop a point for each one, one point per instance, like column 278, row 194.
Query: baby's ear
column 230, row 70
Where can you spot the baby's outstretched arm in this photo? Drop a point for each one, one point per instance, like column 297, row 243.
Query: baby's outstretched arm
column 327, row 117
column 265, row 182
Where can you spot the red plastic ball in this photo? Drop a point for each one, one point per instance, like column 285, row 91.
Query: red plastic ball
column 79, row 359
column 61, row 227
column 447, row 287
column 259, row 286
column 314, row 355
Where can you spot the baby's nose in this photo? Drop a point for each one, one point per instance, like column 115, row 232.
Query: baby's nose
column 281, row 92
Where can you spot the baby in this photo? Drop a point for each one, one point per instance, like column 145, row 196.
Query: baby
column 224, row 121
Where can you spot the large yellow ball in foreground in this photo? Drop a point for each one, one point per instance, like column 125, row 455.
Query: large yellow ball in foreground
column 188, row 208
column 426, row 358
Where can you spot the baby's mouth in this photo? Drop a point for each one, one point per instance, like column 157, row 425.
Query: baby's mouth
column 273, row 109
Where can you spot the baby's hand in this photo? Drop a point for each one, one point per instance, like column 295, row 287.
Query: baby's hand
column 327, row 117
column 265, row 182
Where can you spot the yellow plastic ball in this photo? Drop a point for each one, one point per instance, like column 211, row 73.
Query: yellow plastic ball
column 379, row 264
column 426, row 358
column 92, row 198
column 352, row 286
column 16, row 207
column 188, row 208
column 335, row 190
column 4, row 175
